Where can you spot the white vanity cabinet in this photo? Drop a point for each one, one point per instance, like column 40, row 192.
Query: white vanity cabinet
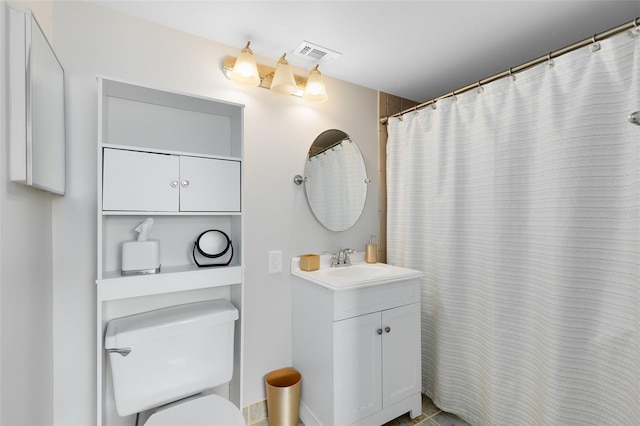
column 176, row 158
column 358, row 351
column 145, row 181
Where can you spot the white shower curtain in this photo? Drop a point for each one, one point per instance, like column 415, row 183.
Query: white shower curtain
column 521, row 206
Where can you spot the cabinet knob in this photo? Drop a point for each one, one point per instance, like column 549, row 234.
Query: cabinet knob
column 379, row 331
column 174, row 183
column 387, row 329
column 184, row 183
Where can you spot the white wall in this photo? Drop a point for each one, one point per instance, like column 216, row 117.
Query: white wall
column 26, row 277
column 90, row 40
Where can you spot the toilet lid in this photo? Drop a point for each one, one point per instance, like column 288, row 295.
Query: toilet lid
column 210, row 410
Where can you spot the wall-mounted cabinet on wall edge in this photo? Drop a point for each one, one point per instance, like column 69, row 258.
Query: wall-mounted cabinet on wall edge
column 37, row 134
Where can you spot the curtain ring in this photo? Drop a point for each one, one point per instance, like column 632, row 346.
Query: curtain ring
column 595, row 46
column 635, row 31
column 550, row 62
column 512, row 76
column 479, row 88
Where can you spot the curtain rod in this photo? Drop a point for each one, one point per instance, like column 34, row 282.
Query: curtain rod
column 522, row 67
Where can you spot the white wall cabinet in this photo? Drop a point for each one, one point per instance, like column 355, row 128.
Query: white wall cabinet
column 208, row 184
column 140, row 181
column 177, row 158
column 360, row 369
column 144, row 181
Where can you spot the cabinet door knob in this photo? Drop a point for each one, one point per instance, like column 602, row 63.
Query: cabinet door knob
column 174, row 183
column 184, row 183
column 379, row 331
column 387, row 329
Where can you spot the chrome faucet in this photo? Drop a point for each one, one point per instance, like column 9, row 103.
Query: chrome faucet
column 342, row 258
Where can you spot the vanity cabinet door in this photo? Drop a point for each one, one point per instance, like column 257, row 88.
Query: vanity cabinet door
column 377, row 361
column 357, row 368
column 208, row 184
column 139, row 181
column 401, row 370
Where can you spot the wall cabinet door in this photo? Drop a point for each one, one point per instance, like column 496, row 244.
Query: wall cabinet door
column 357, row 368
column 401, row 369
column 143, row 181
column 208, row 184
column 139, row 181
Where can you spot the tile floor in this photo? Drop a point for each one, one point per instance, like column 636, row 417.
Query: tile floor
column 431, row 416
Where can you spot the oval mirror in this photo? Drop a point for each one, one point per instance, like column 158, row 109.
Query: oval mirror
column 335, row 180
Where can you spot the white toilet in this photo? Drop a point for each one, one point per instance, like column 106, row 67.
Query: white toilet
column 168, row 358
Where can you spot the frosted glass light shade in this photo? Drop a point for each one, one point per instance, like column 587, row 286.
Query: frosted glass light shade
column 315, row 90
column 245, row 70
column 283, row 80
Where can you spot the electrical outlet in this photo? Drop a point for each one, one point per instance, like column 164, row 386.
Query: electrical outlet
column 275, row 262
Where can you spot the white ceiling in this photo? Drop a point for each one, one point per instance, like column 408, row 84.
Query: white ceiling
column 414, row 49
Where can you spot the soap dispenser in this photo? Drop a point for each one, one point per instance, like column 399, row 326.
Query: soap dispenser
column 371, row 255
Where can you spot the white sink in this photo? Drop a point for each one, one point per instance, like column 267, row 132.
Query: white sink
column 359, row 271
column 359, row 274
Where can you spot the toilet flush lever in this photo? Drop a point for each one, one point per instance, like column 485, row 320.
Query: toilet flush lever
column 121, row 351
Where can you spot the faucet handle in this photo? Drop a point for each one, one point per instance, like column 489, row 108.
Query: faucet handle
column 347, row 255
column 334, row 257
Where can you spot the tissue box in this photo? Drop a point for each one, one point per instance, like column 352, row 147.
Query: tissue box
column 309, row 262
column 140, row 257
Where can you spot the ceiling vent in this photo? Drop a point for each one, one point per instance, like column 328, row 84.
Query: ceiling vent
column 315, row 53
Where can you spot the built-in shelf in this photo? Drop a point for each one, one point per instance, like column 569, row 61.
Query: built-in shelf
column 115, row 286
column 169, row 151
column 146, row 213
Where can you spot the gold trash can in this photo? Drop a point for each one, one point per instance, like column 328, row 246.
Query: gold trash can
column 283, row 396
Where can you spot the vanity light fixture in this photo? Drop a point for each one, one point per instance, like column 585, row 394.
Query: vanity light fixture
column 279, row 80
column 245, row 70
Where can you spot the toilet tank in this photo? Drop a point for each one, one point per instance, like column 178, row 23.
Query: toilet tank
column 174, row 352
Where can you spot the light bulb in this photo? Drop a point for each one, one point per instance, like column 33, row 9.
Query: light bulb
column 315, row 90
column 245, row 70
column 283, row 80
